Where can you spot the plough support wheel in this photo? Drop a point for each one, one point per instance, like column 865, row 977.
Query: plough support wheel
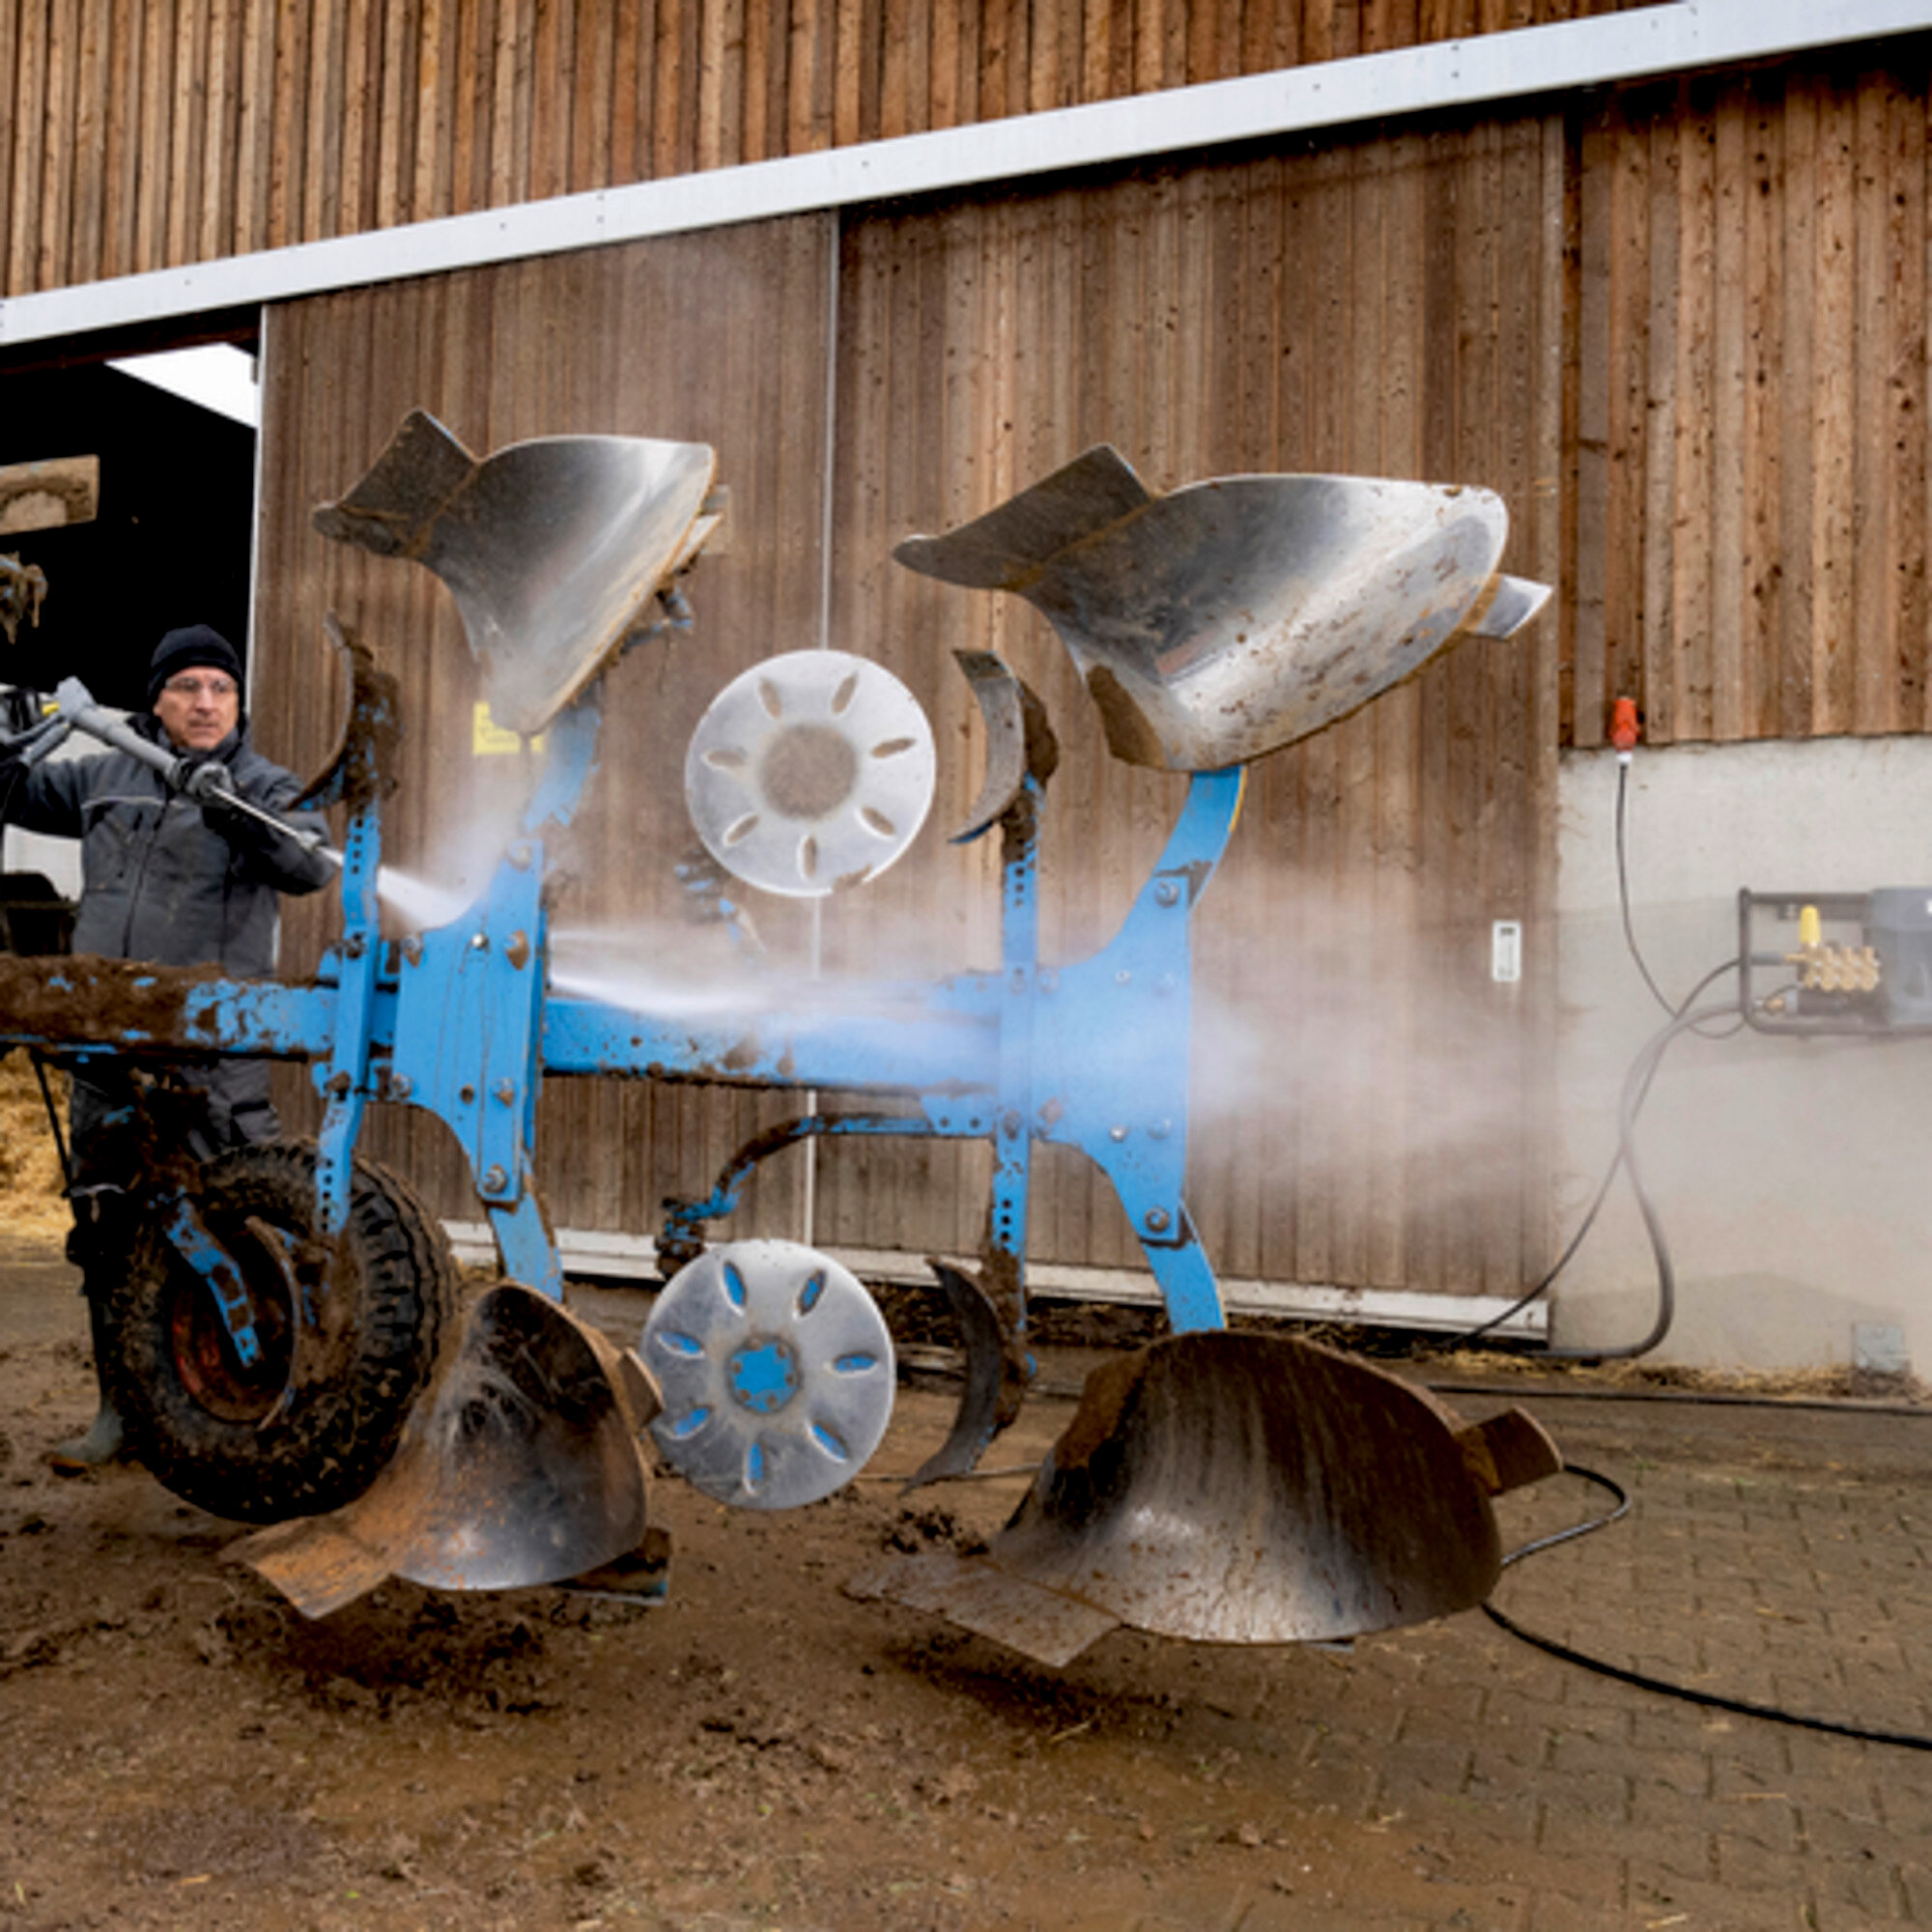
column 347, row 1332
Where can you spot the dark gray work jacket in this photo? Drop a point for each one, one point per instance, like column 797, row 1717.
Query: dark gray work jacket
column 160, row 883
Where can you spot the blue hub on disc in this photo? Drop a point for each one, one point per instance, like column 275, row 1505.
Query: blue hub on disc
column 764, row 1375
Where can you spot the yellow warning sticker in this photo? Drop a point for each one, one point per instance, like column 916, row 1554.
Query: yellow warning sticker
column 490, row 740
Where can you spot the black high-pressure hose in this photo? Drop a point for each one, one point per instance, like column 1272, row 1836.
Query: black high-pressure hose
column 1631, row 945
column 1637, row 1087
column 1683, row 1017
column 1709, row 1700
column 1635, row 1090
column 1623, row 893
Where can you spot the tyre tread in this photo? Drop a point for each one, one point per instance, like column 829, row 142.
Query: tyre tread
column 325, row 1445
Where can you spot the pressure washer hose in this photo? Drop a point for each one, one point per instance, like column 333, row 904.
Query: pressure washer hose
column 1635, row 1090
column 1637, row 1087
column 1663, row 1687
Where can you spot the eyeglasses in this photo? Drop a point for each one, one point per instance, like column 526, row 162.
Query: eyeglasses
column 193, row 687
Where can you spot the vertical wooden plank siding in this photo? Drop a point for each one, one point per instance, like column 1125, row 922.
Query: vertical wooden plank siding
column 1794, row 298
column 1754, row 512
column 1907, row 613
column 55, row 266
column 10, row 50
column 1833, row 376
column 1344, row 1004
column 1763, row 457
column 25, row 133
column 92, row 90
column 261, row 123
column 622, row 340
column 1682, row 300
column 1344, row 950
column 1720, row 687
column 184, row 170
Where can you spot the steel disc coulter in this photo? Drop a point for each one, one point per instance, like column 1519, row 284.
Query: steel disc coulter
column 811, row 772
column 777, row 1373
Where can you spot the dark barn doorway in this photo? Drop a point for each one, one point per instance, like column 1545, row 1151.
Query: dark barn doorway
column 169, row 540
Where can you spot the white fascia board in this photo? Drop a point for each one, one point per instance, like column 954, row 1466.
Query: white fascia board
column 598, row 1254
column 1523, row 63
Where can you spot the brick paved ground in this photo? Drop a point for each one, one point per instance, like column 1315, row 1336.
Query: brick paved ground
column 1777, row 1555
column 767, row 1752
column 1451, row 1776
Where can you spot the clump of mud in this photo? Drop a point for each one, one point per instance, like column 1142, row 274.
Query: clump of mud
column 915, row 1530
column 31, row 1201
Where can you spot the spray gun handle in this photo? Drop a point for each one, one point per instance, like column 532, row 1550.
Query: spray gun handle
column 74, row 703
column 31, row 747
column 209, row 782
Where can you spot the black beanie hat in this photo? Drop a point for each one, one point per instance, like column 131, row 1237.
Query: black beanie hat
column 197, row 644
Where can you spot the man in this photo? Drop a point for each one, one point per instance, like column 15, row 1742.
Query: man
column 176, row 883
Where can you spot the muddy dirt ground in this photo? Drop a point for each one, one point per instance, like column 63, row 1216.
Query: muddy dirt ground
column 178, row 1746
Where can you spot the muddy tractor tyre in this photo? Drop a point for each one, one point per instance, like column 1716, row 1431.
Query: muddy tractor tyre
column 306, row 1425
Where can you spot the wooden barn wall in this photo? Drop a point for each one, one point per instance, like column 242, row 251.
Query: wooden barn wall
column 148, row 133
column 1751, row 392
column 719, row 339
column 1368, row 1103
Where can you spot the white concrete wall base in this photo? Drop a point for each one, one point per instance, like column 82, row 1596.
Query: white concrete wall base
column 1792, row 1175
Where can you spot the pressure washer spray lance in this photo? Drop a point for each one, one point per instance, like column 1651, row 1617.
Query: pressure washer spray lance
column 207, row 782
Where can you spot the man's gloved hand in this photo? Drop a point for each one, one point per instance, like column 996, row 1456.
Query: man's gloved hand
column 212, row 788
column 209, row 781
